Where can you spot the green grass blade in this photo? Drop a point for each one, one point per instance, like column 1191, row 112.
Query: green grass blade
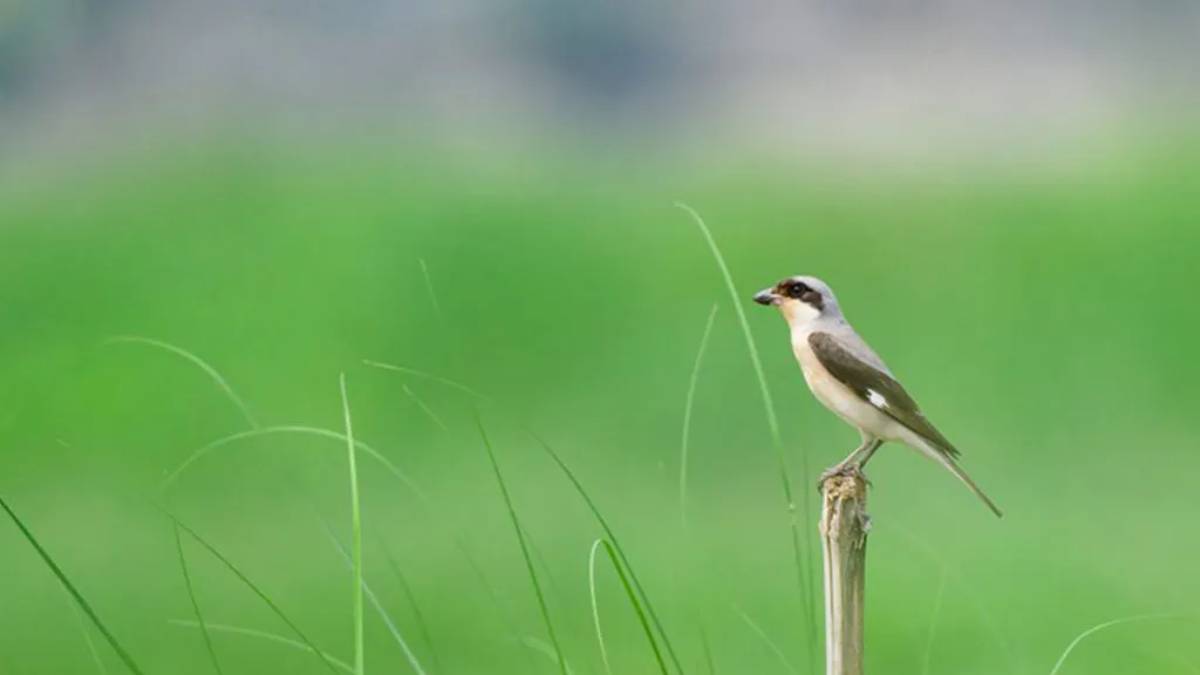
column 371, row 452
column 516, row 523
column 637, row 607
column 275, row 608
column 356, row 533
column 804, row 564
column 200, row 363
column 406, row 588
column 595, row 606
column 965, row 589
column 379, row 608
column 187, row 583
column 687, row 414
column 762, row 634
column 453, row 384
column 268, row 636
column 578, row 487
column 546, row 650
column 612, row 537
column 933, row 621
column 437, row 307
column 75, row 594
column 424, row 407
column 85, row 629
column 1105, row 626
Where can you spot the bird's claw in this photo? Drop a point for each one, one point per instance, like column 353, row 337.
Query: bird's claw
column 849, row 470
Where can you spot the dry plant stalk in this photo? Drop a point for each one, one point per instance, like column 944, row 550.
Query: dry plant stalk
column 844, row 525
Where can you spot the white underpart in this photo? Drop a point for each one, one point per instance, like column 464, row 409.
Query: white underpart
column 866, row 415
column 796, row 312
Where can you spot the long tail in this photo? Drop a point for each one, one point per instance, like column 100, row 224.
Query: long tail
column 943, row 458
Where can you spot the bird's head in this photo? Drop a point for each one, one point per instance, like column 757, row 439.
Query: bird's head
column 800, row 300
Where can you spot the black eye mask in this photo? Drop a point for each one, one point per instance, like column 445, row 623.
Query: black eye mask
column 805, row 294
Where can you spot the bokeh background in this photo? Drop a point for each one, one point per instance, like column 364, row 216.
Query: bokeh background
column 1003, row 194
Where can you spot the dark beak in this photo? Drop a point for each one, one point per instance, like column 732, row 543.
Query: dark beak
column 765, row 297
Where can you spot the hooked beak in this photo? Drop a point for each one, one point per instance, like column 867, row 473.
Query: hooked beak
column 766, row 297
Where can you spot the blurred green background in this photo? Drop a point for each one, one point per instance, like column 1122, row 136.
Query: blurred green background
column 1027, row 270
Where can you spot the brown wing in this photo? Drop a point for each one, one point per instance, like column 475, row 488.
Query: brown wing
column 876, row 388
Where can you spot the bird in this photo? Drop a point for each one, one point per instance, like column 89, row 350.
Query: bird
column 850, row 379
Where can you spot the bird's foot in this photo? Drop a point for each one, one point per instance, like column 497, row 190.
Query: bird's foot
column 847, row 469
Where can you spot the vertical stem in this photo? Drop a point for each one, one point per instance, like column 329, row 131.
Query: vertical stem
column 844, row 525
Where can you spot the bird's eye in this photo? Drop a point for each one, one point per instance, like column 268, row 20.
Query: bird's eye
column 797, row 289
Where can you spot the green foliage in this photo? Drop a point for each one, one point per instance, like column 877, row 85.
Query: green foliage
column 1041, row 315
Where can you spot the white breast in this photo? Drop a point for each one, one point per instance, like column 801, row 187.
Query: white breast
column 839, row 398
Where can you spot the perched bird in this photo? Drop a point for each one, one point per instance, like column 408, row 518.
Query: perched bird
column 848, row 377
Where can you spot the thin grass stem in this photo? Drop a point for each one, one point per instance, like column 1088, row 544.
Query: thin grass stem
column 355, row 533
column 762, row 634
column 546, row 650
column 174, row 475
column 927, row 662
column 379, row 608
column 1104, row 626
column 595, row 606
column 271, row 604
column 422, row 624
column 268, row 636
column 516, row 523
column 424, row 407
column 637, row 607
column 803, row 562
column 612, row 537
column 427, row 376
column 85, row 630
column 687, row 414
column 187, row 583
column 122, row 653
column 203, row 365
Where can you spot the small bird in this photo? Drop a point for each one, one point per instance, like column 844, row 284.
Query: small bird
column 847, row 377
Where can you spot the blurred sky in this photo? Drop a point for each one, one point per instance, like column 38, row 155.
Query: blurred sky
column 873, row 77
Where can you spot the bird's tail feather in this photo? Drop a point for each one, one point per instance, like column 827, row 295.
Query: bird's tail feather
column 952, row 466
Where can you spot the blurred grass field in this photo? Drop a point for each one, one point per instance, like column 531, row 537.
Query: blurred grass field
column 1043, row 315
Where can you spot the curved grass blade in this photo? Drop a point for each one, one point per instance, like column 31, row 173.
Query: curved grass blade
column 356, row 534
column 804, row 564
column 200, row 363
column 546, row 650
column 595, row 606
column 453, row 384
column 187, row 582
column 637, row 607
column 612, row 537
column 370, row 451
column 1104, row 626
column 687, row 414
column 283, row 430
column 578, row 487
column 965, row 589
column 78, row 597
column 516, row 523
column 264, row 635
column 424, row 407
column 255, row 589
column 379, row 608
column 783, row 659
column 422, row 625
